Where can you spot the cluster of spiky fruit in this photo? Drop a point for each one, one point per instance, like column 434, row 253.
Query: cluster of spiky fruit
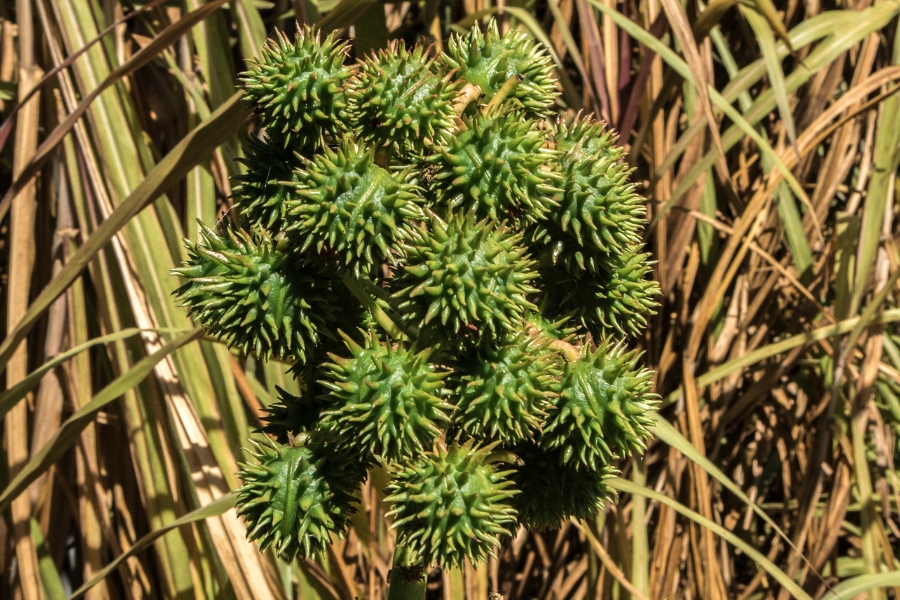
column 453, row 274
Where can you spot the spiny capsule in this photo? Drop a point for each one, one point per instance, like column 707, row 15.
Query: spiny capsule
column 465, row 273
column 598, row 208
column 349, row 205
column 244, row 291
column 291, row 415
column 498, row 168
column 297, row 497
column 386, row 401
column 297, row 87
column 400, row 100
column 617, row 298
column 553, row 492
column 451, row 505
column 262, row 193
column 602, row 409
column 506, row 389
column 490, row 60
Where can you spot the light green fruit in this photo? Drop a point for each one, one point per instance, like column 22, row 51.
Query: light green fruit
column 297, row 87
column 464, row 277
column 451, row 505
column 490, row 60
column 387, row 401
column 506, row 388
column 599, row 208
column 539, row 326
column 297, row 497
column 348, row 205
column 263, row 191
column 399, row 100
column 553, row 492
column 499, row 168
column 602, row 411
column 244, row 291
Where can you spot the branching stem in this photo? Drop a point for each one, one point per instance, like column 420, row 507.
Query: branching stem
column 386, row 318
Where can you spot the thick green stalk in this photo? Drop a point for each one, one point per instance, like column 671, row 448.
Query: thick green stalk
column 405, row 586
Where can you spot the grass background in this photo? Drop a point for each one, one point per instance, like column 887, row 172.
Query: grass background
column 764, row 135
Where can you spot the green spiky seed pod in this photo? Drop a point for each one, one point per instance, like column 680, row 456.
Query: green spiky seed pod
column 489, row 61
column 260, row 195
column 297, row 87
column 297, row 497
column 291, row 415
column 398, row 100
column 390, row 400
column 507, row 388
column 464, row 274
column 244, row 291
column 618, row 298
column 599, row 207
column 497, row 167
column 602, row 408
column 436, row 201
column 451, row 505
column 583, row 137
column 553, row 492
column 349, row 205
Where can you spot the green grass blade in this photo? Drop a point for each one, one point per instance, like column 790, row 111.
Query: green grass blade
column 213, row 509
column 70, row 430
column 140, row 58
column 10, row 397
column 193, row 148
column 671, row 436
column 851, row 588
column 770, row 350
column 629, row 487
column 766, row 40
column 53, row 588
column 887, row 159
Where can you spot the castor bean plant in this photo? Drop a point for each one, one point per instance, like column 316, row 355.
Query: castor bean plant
column 453, row 270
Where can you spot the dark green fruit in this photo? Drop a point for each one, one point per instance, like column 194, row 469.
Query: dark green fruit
column 617, row 298
column 348, row 205
column 297, row 497
column 465, row 274
column 603, row 408
column 506, row 389
column 387, row 401
column 291, row 415
column 490, row 61
column 297, row 87
column 448, row 506
column 262, row 192
column 397, row 99
column 499, row 168
column 553, row 492
column 244, row 291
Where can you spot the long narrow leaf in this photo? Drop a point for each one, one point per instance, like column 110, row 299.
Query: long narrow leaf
column 213, row 509
column 70, row 430
column 196, row 146
column 623, row 485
